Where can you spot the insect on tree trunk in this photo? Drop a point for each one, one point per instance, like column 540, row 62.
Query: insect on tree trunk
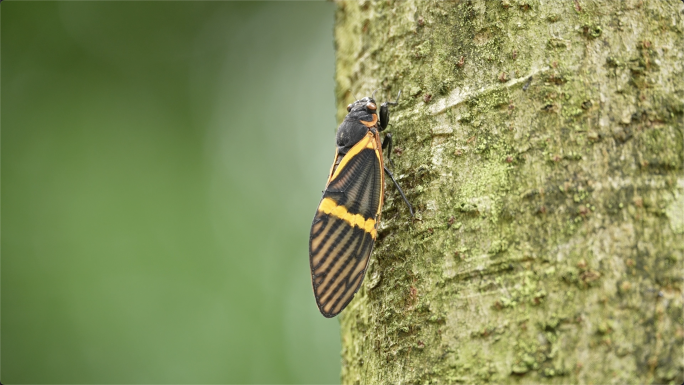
column 541, row 143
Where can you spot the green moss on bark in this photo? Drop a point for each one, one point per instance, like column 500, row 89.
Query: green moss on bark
column 542, row 146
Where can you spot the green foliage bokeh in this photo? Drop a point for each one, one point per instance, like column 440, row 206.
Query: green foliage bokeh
column 161, row 164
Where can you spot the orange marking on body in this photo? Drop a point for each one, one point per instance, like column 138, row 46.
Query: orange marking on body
column 371, row 123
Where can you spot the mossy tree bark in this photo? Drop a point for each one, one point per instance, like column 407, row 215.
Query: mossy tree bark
column 542, row 145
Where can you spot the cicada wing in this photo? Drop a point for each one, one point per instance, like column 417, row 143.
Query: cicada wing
column 344, row 227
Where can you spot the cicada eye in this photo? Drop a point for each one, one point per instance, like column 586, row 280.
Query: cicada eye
column 349, row 108
column 371, row 106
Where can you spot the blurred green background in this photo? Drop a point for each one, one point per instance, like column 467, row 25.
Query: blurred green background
column 161, row 165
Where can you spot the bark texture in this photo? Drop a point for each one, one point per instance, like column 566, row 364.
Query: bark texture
column 542, row 145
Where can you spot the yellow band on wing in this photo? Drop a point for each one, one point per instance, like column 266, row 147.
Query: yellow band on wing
column 331, row 207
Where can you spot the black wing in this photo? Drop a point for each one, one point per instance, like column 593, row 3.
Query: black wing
column 345, row 226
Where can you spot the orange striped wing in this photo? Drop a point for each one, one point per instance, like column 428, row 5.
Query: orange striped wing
column 345, row 226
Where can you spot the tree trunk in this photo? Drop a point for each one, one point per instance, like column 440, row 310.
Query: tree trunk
column 541, row 143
